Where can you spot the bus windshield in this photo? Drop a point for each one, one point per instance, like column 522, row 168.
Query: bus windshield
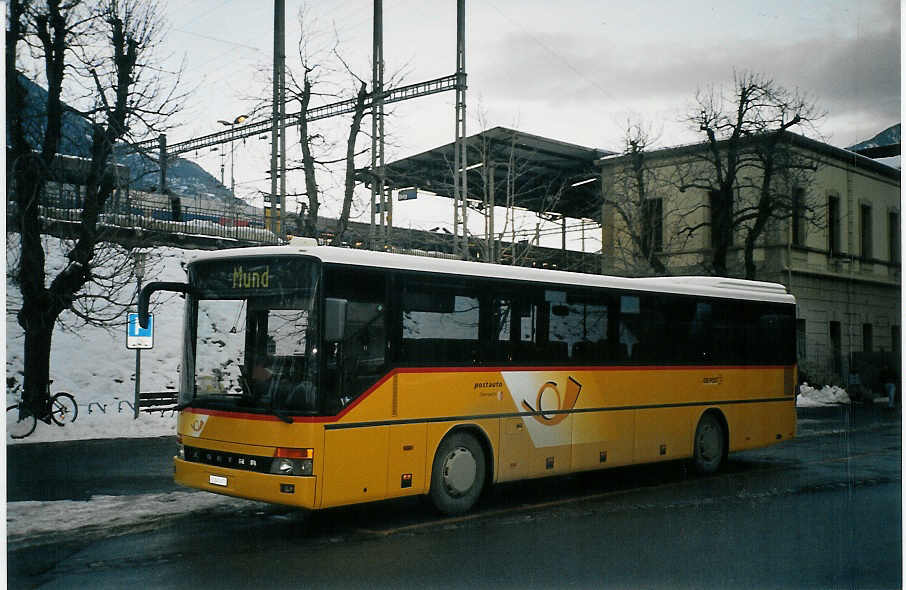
column 254, row 342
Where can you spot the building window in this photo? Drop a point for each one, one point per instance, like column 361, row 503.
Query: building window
column 865, row 230
column 867, row 338
column 797, row 216
column 836, row 342
column 653, row 225
column 895, row 339
column 800, row 339
column 713, row 206
column 893, row 236
column 833, row 224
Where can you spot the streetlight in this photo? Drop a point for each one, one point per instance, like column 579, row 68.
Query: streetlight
column 237, row 121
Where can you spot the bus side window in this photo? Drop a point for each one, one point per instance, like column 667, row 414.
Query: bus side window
column 579, row 325
column 629, row 328
column 439, row 324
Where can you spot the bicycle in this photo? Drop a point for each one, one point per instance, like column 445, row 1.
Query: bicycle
column 21, row 420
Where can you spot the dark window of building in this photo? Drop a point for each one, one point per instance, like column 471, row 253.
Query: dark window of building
column 893, row 236
column 865, row 230
column 653, row 225
column 833, row 224
column 713, row 206
column 895, row 339
column 797, row 216
column 800, row 339
column 836, row 343
column 867, row 338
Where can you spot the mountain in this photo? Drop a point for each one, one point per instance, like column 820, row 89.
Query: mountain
column 890, row 136
column 184, row 178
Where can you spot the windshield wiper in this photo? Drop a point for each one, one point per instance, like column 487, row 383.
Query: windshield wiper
column 279, row 414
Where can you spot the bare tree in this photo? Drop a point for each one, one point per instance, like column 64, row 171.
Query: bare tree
column 632, row 193
column 317, row 66
column 749, row 166
column 102, row 52
column 349, row 184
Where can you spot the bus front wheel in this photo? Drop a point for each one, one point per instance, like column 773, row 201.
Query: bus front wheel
column 709, row 445
column 458, row 473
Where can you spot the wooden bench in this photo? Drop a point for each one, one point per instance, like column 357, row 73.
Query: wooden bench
column 157, row 401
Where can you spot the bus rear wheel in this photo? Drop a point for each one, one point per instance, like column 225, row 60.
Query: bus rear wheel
column 458, row 473
column 709, row 446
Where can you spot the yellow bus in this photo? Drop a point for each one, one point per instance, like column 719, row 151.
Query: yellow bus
column 317, row 377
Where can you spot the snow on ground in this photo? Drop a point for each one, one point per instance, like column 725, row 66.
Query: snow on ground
column 29, row 522
column 829, row 395
column 94, row 365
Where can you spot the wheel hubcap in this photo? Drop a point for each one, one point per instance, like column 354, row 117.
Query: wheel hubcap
column 708, row 443
column 459, row 471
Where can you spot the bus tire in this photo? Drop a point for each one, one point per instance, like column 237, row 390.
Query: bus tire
column 458, row 473
column 708, row 446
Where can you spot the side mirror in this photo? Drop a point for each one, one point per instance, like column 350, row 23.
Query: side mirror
column 334, row 319
column 144, row 297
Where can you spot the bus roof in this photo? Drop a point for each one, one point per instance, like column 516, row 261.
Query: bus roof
column 684, row 285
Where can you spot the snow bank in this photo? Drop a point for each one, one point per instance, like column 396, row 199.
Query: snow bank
column 28, row 522
column 829, row 395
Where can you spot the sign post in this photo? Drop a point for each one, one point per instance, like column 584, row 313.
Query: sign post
column 136, row 337
column 139, row 338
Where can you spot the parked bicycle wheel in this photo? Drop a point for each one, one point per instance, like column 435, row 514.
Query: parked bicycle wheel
column 19, row 424
column 63, row 408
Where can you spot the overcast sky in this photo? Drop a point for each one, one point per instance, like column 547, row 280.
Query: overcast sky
column 572, row 70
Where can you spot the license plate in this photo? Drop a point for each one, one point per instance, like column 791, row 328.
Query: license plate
column 217, row 480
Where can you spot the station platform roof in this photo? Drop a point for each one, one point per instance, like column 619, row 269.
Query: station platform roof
column 548, row 176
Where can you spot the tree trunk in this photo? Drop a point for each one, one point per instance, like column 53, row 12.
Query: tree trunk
column 38, row 326
column 354, row 128
column 308, row 166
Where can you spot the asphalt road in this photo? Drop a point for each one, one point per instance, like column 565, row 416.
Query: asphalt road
column 822, row 511
column 78, row 470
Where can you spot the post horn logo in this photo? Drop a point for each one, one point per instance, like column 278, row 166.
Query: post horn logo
column 564, row 404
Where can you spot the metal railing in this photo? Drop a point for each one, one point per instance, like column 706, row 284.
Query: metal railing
column 155, row 215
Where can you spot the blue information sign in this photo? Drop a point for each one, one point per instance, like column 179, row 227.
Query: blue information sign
column 138, row 337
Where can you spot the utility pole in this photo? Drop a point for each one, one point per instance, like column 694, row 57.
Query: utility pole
column 378, row 194
column 162, row 160
column 460, row 184
column 277, row 203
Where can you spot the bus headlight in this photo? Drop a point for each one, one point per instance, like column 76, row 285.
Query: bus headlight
column 283, row 466
column 293, row 462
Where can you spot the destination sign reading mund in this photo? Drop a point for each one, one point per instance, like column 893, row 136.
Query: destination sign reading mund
column 249, row 276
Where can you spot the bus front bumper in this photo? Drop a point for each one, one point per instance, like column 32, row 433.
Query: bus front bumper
column 290, row 490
